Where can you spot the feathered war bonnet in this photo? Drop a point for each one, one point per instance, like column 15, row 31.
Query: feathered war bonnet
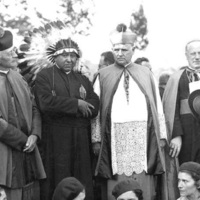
column 63, row 45
column 122, row 35
column 44, row 43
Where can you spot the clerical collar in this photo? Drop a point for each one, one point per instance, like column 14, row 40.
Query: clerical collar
column 193, row 70
column 63, row 70
column 4, row 72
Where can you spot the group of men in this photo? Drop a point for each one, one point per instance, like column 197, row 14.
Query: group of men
column 120, row 119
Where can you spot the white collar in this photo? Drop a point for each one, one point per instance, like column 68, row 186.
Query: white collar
column 194, row 70
column 4, row 72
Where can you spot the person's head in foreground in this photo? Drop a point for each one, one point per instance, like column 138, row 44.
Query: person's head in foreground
column 127, row 190
column 189, row 180
column 192, row 52
column 122, row 40
column 69, row 189
column 8, row 56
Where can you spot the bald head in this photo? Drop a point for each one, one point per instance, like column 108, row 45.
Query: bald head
column 191, row 43
column 192, row 52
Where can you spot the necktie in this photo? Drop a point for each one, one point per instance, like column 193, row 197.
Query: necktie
column 126, row 84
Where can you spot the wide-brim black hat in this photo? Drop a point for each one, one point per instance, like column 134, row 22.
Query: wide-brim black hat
column 6, row 39
column 194, row 103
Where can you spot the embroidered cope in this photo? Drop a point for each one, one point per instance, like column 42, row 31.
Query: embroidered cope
column 129, row 129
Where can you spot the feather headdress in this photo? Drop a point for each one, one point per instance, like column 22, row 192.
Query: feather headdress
column 42, row 45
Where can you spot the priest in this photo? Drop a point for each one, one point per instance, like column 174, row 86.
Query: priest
column 130, row 127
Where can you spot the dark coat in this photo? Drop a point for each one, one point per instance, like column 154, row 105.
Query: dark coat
column 12, row 137
column 65, row 136
column 182, row 123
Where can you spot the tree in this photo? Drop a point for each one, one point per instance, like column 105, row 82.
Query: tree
column 23, row 15
column 138, row 25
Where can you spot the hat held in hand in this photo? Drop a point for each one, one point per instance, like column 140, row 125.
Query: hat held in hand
column 194, row 103
column 6, row 39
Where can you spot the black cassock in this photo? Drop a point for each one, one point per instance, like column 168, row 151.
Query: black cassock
column 186, row 125
column 66, row 133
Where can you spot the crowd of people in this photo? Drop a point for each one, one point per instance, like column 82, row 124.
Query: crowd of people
column 67, row 138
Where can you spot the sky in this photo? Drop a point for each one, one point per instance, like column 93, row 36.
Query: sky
column 171, row 24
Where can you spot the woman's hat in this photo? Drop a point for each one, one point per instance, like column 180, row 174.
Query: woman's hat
column 194, row 103
column 191, row 167
column 125, row 186
column 68, row 189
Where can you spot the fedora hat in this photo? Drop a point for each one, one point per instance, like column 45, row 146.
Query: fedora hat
column 194, row 103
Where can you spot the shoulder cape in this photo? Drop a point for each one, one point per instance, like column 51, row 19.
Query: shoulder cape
column 169, row 101
column 109, row 79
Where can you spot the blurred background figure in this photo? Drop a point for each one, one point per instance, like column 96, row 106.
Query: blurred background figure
column 143, row 61
column 85, row 70
column 189, row 181
column 106, row 59
column 69, row 189
column 88, row 69
column 163, row 78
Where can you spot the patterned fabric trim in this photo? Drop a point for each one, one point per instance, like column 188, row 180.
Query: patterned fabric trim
column 96, row 129
column 163, row 134
column 129, row 147
column 95, row 123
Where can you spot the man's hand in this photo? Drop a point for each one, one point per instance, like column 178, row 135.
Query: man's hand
column 3, row 124
column 2, row 194
column 31, row 143
column 175, row 146
column 96, row 148
column 85, row 108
